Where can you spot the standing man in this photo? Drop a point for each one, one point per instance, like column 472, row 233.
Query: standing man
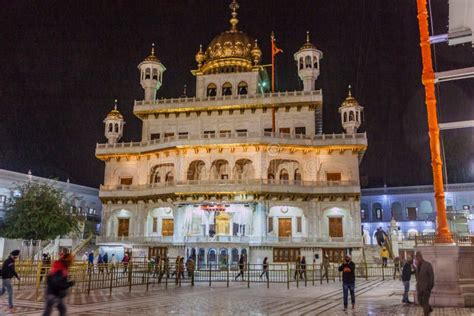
column 241, row 267
column 406, row 277
column 8, row 272
column 348, row 279
column 424, row 282
column 396, row 267
column 325, row 267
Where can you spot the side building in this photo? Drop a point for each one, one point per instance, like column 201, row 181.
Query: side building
column 235, row 169
column 86, row 201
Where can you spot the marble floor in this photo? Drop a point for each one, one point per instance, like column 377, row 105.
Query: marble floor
column 373, row 297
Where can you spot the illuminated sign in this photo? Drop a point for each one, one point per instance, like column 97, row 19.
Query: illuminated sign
column 213, row 207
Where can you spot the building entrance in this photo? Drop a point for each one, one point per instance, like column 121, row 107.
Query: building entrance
column 334, row 254
column 223, row 223
column 335, row 227
column 123, row 225
column 157, row 251
column 284, row 227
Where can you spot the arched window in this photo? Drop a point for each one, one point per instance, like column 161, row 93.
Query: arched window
column 111, row 128
column 351, row 116
column 227, row 89
column 307, row 62
column 147, row 73
column 315, row 64
column 243, row 88
column 271, row 176
column 357, row 116
column 284, row 175
column 169, row 177
column 211, row 90
column 116, row 128
column 157, row 178
column 155, row 74
column 297, row 175
column 301, row 62
column 345, row 117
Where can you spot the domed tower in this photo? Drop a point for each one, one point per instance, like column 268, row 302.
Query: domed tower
column 231, row 63
column 307, row 59
column 151, row 75
column 351, row 113
column 114, row 125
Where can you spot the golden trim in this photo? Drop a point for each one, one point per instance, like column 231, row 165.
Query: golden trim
column 244, row 146
column 310, row 104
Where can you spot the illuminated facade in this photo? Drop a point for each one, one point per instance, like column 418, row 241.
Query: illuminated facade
column 210, row 177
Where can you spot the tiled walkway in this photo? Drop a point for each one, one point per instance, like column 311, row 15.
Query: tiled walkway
column 374, row 297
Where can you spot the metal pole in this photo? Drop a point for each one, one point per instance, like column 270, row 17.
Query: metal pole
column 428, row 80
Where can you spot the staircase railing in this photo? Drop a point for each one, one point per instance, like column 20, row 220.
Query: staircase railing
column 82, row 244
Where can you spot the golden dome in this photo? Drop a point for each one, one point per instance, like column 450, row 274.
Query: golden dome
column 152, row 56
column 308, row 44
column 230, row 51
column 350, row 100
column 115, row 114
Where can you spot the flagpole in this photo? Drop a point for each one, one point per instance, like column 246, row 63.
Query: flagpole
column 272, row 37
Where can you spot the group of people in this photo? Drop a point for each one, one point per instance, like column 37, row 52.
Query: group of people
column 159, row 266
column 300, row 268
column 103, row 263
column 57, row 281
column 421, row 268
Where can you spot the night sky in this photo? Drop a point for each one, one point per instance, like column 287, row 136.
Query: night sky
column 62, row 63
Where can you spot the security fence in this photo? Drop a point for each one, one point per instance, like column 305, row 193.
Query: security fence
column 139, row 272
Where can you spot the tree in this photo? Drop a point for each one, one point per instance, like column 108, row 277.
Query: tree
column 39, row 211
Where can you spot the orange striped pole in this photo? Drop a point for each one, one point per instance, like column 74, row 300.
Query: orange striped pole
column 443, row 235
column 275, row 50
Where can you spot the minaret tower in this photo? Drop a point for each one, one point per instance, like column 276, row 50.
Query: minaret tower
column 307, row 59
column 114, row 125
column 351, row 114
column 151, row 75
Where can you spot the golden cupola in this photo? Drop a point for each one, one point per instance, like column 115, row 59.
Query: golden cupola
column 350, row 101
column 231, row 51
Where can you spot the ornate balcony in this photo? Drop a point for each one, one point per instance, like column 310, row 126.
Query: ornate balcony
column 273, row 139
column 187, row 104
column 251, row 185
column 251, row 240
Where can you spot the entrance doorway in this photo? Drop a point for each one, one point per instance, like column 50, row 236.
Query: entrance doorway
column 223, row 223
column 284, row 227
column 286, row 254
column 123, row 225
column 334, row 254
column 157, row 251
column 167, row 227
column 335, row 227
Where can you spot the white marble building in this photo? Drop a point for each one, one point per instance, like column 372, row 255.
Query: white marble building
column 210, row 177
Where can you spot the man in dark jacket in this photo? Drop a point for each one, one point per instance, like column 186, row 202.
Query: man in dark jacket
column 57, row 285
column 424, row 282
column 348, row 279
column 406, row 276
column 8, row 272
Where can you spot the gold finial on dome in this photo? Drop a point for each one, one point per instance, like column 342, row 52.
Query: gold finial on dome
column 152, row 56
column 115, row 114
column 307, row 36
column 200, row 56
column 234, row 6
column 256, row 53
column 308, row 43
column 350, row 100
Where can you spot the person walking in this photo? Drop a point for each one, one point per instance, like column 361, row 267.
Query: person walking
column 384, row 254
column 8, row 272
column 100, row 263
column 325, row 268
column 44, row 266
column 406, row 277
column 190, row 267
column 176, row 264
column 348, row 279
column 180, row 270
column 105, row 259
column 396, row 268
column 264, row 268
column 303, row 268
column 241, row 267
column 113, row 262
column 125, row 261
column 90, row 262
column 297, row 267
column 424, row 282
column 57, row 285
